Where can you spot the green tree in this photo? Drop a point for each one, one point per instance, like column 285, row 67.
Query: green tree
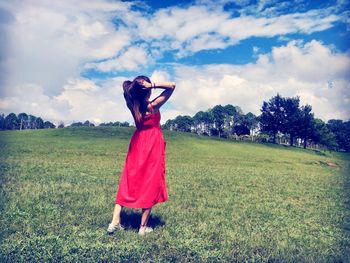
column 23, row 120
column 219, row 114
column 250, row 121
column 345, row 143
column 117, row 123
column 208, row 122
column 39, row 123
column 198, row 122
column 292, row 118
column 342, row 132
column 272, row 116
column 2, row 122
column 231, row 116
column 88, row 124
column 32, row 124
column 49, row 125
column 335, row 126
column 125, row 124
column 202, row 122
column 76, row 124
column 11, row 122
column 241, row 129
column 305, row 131
column 169, row 125
column 322, row 135
column 183, row 123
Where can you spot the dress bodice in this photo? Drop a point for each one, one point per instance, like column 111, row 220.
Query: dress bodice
column 149, row 121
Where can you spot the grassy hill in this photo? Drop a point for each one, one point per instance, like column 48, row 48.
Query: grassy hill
column 228, row 201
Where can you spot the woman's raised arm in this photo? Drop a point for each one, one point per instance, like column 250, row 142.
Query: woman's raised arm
column 164, row 96
column 168, row 87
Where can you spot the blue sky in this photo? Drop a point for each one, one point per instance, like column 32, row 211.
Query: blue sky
column 66, row 60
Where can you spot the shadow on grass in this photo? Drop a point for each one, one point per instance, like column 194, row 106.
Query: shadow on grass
column 131, row 219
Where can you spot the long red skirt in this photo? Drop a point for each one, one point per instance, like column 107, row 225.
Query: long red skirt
column 142, row 183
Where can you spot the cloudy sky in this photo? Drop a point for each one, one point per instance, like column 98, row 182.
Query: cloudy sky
column 66, row 60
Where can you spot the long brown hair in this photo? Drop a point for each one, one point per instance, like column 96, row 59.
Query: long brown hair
column 135, row 95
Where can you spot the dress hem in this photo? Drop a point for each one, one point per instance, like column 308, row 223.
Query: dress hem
column 139, row 206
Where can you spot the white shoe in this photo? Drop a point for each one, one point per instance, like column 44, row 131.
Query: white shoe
column 144, row 230
column 112, row 228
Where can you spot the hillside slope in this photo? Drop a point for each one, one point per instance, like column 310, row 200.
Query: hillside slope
column 228, row 201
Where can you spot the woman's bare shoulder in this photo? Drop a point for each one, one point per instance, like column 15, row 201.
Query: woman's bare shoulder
column 151, row 107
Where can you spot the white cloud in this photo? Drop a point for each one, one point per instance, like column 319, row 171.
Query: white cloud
column 30, row 98
column 160, row 76
column 49, row 42
column 80, row 100
column 202, row 27
column 247, row 26
column 47, row 45
column 130, row 60
column 297, row 69
column 293, row 70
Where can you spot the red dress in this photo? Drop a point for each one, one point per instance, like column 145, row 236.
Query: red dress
column 142, row 184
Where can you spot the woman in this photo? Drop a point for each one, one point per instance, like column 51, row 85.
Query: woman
column 142, row 184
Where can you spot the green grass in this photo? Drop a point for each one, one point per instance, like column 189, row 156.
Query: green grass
column 228, row 201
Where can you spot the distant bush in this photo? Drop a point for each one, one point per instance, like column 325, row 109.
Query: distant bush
column 117, row 123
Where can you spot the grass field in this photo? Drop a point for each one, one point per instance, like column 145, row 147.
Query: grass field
column 228, row 201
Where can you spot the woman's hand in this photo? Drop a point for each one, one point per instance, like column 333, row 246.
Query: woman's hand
column 145, row 83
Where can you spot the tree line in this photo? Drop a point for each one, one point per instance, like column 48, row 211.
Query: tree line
column 24, row 121
column 280, row 118
column 90, row 124
column 220, row 121
column 285, row 116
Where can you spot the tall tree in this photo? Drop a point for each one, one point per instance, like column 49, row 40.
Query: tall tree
column 203, row 121
column 335, row 126
column 39, row 123
column 345, row 143
column 342, row 132
column 49, row 125
column 125, row 124
column 219, row 118
column 169, row 124
column 250, row 121
column 89, row 124
column 183, row 123
column 60, row 125
column 241, row 129
column 272, row 116
column 208, row 119
column 32, row 124
column 23, row 120
column 306, row 122
column 292, row 118
column 231, row 115
column 11, row 122
column 2, row 122
column 199, row 122
column 322, row 135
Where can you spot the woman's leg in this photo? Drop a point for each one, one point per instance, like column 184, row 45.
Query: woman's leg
column 116, row 214
column 146, row 212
